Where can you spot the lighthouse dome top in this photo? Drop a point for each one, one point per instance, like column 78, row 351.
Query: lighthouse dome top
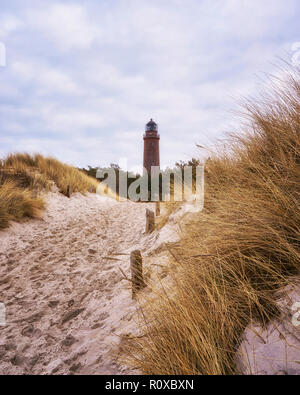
column 151, row 125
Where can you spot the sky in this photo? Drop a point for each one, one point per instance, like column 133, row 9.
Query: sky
column 82, row 78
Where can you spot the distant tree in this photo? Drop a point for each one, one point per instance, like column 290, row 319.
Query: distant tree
column 131, row 177
column 115, row 166
column 191, row 163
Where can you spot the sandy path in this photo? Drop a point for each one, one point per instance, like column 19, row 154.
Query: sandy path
column 67, row 305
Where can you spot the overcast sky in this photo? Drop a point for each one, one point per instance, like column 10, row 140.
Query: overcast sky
column 82, row 78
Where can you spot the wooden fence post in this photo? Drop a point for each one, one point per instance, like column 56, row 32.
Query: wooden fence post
column 136, row 265
column 157, row 208
column 91, row 189
column 150, row 221
column 69, row 191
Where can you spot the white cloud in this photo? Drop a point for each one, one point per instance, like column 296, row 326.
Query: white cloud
column 90, row 76
column 8, row 24
column 68, row 25
column 44, row 79
column 72, row 120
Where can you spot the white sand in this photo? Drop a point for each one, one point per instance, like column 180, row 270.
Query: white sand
column 275, row 349
column 58, row 266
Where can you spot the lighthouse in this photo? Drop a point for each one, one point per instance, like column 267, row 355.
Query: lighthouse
column 151, row 146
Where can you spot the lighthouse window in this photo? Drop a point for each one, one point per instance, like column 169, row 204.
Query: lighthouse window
column 151, row 127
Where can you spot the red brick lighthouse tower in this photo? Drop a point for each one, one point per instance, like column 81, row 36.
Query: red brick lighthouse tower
column 151, row 146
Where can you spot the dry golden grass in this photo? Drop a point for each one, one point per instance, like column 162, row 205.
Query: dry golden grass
column 38, row 170
column 21, row 174
column 235, row 254
column 17, row 203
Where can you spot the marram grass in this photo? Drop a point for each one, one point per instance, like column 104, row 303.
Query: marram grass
column 236, row 254
column 21, row 174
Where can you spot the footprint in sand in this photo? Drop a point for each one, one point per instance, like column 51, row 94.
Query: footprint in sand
column 71, row 292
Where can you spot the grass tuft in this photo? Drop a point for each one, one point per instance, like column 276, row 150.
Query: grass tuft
column 17, row 203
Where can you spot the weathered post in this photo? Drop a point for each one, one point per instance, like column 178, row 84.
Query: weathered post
column 91, row 189
column 150, row 221
column 136, row 265
column 157, row 208
column 68, row 191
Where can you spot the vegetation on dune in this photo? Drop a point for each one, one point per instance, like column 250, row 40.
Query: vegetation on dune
column 234, row 255
column 22, row 174
column 36, row 170
column 17, row 203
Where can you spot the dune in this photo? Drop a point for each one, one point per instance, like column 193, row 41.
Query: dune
column 67, row 304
